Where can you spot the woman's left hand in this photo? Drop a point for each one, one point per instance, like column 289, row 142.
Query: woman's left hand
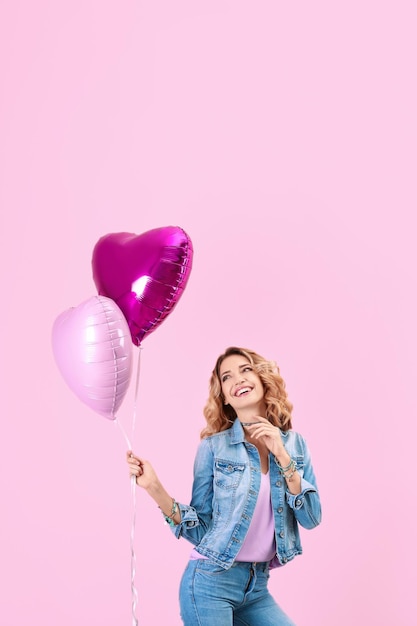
column 269, row 434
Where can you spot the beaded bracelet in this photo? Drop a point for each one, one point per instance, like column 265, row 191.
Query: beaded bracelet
column 286, row 468
column 291, row 468
column 169, row 519
column 289, row 477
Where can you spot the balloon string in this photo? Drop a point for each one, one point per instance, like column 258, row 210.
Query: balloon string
column 135, row 621
column 122, row 430
column 135, row 402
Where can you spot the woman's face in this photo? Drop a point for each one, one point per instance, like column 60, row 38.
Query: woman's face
column 241, row 386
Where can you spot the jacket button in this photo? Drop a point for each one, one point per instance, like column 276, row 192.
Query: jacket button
column 279, row 483
column 284, row 560
column 298, row 503
column 281, row 534
column 280, row 509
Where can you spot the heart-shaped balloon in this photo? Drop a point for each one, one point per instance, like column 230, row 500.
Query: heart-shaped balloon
column 144, row 274
column 93, row 350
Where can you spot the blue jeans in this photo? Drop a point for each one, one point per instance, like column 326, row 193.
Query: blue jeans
column 213, row 596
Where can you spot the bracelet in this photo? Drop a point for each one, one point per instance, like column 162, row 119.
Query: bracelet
column 287, row 468
column 288, row 471
column 169, row 519
column 289, row 478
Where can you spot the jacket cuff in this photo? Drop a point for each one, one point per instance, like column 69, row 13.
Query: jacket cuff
column 296, row 501
column 189, row 519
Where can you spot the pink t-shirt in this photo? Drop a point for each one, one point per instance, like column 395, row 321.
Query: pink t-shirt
column 259, row 544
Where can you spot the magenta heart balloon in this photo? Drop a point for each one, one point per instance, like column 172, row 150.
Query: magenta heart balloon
column 93, row 350
column 144, row 274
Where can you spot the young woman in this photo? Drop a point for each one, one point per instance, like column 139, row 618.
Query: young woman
column 253, row 485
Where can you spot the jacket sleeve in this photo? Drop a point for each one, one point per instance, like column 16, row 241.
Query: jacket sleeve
column 306, row 504
column 196, row 517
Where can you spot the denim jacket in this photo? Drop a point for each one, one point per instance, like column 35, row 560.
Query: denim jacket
column 227, row 476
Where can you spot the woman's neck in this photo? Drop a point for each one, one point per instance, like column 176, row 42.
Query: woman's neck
column 251, row 413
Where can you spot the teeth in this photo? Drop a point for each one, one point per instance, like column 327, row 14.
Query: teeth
column 244, row 390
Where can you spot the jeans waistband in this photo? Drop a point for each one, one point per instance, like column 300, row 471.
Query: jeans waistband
column 261, row 566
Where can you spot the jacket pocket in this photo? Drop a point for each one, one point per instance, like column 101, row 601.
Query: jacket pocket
column 227, row 474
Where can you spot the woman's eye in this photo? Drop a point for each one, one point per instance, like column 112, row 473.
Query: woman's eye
column 247, row 369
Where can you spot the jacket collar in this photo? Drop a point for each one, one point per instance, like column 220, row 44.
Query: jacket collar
column 237, row 432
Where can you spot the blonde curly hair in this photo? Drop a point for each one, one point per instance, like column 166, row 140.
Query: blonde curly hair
column 278, row 408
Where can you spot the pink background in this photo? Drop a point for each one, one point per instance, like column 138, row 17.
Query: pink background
column 282, row 137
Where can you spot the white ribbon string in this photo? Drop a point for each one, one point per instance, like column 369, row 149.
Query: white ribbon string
column 135, row 621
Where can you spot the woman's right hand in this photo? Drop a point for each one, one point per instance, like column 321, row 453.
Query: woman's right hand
column 143, row 470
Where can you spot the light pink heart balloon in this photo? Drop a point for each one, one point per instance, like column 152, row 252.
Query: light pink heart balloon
column 92, row 347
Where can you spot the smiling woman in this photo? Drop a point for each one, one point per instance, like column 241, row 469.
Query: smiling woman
column 220, row 412
column 254, row 484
